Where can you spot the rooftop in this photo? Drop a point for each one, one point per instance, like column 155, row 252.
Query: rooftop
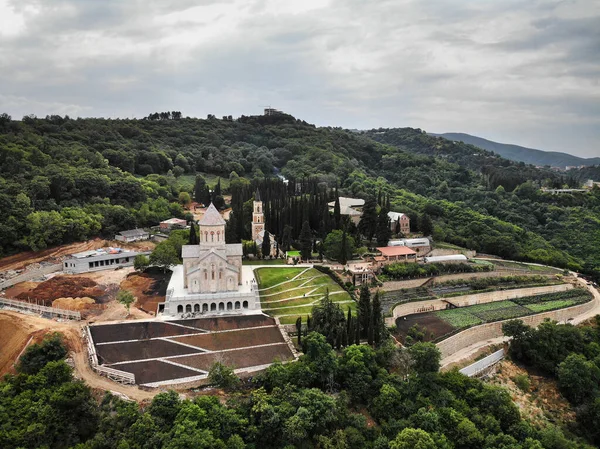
column 211, row 217
column 133, row 232
column 392, row 251
column 174, row 221
column 349, row 202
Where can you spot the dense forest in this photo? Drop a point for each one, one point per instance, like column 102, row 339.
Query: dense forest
column 66, row 179
column 357, row 398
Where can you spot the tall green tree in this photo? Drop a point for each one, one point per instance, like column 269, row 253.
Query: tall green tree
column 383, row 231
column 368, row 220
column 426, row 225
column 305, row 241
column 364, row 309
column 339, row 246
column 378, row 323
column 265, row 248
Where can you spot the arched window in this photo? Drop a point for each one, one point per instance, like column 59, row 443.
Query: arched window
column 206, row 236
column 218, row 236
column 221, row 306
column 229, row 305
column 205, row 307
column 205, row 275
column 188, row 308
column 220, row 275
column 212, row 236
column 179, row 309
column 237, row 305
column 196, row 307
column 245, row 304
column 212, row 268
column 213, row 307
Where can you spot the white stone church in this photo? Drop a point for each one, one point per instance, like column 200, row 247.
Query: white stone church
column 212, row 279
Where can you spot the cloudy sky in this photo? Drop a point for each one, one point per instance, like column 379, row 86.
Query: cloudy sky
column 515, row 71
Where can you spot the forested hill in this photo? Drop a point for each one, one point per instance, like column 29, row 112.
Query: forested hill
column 63, row 179
column 522, row 154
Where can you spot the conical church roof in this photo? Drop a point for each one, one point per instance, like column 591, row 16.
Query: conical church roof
column 257, row 195
column 211, row 217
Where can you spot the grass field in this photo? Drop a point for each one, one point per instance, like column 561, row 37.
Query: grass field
column 292, row 292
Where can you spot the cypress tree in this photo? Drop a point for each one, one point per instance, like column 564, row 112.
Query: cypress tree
column 199, row 188
column 357, row 329
column 337, row 215
column 383, row 231
column 344, row 336
column 308, row 323
column 377, row 320
column 349, row 320
column 350, row 332
column 371, row 330
column 344, row 248
column 305, row 241
column 364, row 307
column 299, row 329
column 368, row 220
column 193, row 235
column 266, row 245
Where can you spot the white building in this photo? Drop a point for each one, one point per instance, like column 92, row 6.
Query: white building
column 211, row 279
column 420, row 245
column 132, row 235
column 100, row 259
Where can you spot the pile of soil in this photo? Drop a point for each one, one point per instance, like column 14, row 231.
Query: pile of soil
column 73, row 303
column 150, row 288
column 63, row 287
column 15, row 334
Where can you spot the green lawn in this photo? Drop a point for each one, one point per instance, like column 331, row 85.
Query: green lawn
column 297, row 297
column 268, row 277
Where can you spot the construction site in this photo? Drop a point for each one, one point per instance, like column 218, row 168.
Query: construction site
column 160, row 353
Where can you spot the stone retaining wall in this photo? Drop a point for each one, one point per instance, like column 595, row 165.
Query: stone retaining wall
column 494, row 330
column 502, row 295
column 431, row 305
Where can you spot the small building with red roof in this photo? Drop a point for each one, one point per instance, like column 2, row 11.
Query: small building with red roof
column 391, row 254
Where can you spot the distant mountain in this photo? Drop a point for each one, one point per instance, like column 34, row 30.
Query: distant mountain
column 522, row 154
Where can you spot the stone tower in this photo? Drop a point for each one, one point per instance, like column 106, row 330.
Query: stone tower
column 258, row 217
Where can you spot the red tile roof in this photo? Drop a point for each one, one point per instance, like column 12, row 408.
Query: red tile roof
column 392, row 251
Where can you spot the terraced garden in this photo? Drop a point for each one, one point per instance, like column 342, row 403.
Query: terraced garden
column 288, row 293
column 443, row 323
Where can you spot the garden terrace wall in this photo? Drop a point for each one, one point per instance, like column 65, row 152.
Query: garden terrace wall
column 489, row 331
column 432, row 305
column 501, row 295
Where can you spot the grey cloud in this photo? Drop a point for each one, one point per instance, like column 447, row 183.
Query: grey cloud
column 512, row 69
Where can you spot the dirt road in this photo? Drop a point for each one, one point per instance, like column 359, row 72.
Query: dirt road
column 32, row 325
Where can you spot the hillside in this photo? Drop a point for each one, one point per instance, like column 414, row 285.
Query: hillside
column 522, row 154
column 63, row 180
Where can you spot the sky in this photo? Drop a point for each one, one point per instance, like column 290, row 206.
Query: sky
column 525, row 72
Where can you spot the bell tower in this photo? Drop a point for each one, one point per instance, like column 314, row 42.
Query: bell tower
column 258, row 217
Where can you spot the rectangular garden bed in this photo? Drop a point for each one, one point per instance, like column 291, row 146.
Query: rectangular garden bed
column 234, row 339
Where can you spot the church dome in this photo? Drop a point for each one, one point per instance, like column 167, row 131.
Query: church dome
column 212, row 217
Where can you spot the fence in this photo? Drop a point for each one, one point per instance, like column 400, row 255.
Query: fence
column 482, row 365
column 54, row 311
column 113, row 374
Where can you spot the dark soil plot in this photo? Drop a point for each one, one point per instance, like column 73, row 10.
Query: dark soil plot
column 139, row 350
column 240, row 358
column 228, row 322
column 136, row 331
column 155, row 371
column 433, row 326
column 234, row 339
